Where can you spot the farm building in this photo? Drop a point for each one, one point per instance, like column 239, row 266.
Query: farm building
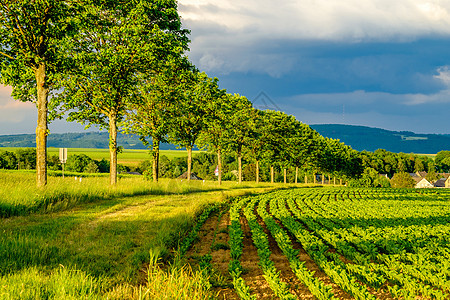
column 423, row 183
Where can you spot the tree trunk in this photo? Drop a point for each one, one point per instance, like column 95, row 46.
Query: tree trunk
column 155, row 155
column 334, row 180
column 271, row 174
column 285, row 176
column 257, row 171
column 240, row 167
column 41, row 129
column 323, row 179
column 189, row 162
column 219, row 166
column 340, row 181
column 113, row 148
column 306, row 178
column 314, row 178
column 296, row 175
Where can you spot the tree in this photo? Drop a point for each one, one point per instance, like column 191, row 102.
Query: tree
column 8, row 160
column 370, row 178
column 26, row 158
column 272, row 134
column 431, row 176
column 219, row 112
column 31, row 58
column 158, row 93
column 402, row 180
column 256, row 140
column 118, row 42
column 442, row 161
column 189, row 117
column 239, row 127
column 303, row 147
column 78, row 162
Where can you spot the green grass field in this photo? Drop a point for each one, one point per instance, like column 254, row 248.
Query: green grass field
column 126, row 157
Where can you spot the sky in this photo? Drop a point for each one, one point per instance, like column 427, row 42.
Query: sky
column 377, row 63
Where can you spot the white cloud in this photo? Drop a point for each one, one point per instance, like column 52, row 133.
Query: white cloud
column 324, row 19
column 444, row 75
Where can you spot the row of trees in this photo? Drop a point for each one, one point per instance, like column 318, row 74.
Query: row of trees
column 122, row 66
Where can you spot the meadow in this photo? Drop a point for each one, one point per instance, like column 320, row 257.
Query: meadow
column 88, row 240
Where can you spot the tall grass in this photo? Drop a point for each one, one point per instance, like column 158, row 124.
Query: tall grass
column 178, row 281
column 60, row 283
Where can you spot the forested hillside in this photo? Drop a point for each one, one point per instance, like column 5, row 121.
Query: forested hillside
column 99, row 140
column 370, row 139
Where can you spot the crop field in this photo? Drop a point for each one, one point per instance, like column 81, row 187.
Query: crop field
column 333, row 243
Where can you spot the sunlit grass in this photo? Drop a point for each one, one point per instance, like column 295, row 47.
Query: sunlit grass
column 60, row 283
column 19, row 195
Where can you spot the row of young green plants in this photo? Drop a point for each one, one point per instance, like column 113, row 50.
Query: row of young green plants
column 365, row 271
column 261, row 242
column 236, row 236
column 314, row 247
column 392, row 251
column 297, row 223
column 341, row 229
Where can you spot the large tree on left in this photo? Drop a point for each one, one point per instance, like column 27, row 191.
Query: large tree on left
column 117, row 43
column 30, row 58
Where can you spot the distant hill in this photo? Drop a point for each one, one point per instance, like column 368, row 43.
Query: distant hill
column 358, row 137
column 370, row 139
column 99, row 140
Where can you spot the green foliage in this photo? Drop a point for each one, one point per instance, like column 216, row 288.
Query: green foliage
column 26, row 158
column 431, row 176
column 53, row 163
column 8, row 160
column 91, row 167
column 131, row 38
column 389, row 163
column 442, row 161
column 78, row 162
column 402, row 180
column 370, row 178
